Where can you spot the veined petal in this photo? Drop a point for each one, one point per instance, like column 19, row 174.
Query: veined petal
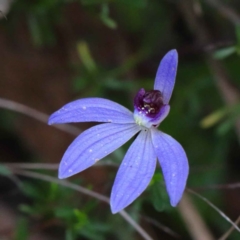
column 174, row 164
column 94, row 144
column 92, row 110
column 166, row 74
column 135, row 172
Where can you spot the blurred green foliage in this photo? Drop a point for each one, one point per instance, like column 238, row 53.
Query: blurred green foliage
column 53, row 207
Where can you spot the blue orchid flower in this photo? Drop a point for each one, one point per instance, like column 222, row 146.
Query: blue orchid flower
column 119, row 125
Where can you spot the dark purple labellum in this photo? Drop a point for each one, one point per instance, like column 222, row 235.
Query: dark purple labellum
column 149, row 102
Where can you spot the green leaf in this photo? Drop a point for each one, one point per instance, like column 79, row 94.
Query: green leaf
column 33, row 191
column 237, row 29
column 66, row 212
column 79, row 83
column 134, row 3
column 159, row 197
column 106, row 19
column 35, row 30
column 85, row 56
column 53, row 192
column 21, row 231
column 5, row 171
column 157, row 178
column 224, row 52
column 228, row 113
column 26, row 209
column 69, row 235
column 213, row 118
column 225, row 127
column 81, row 217
column 89, row 2
column 109, row 22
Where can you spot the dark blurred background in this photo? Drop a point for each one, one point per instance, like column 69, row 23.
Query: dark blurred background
column 55, row 51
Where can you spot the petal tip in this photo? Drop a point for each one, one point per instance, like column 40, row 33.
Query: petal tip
column 166, row 74
column 176, row 197
column 116, row 204
column 114, row 210
column 173, row 52
column 171, row 56
column 50, row 119
column 64, row 172
column 115, row 207
column 174, row 203
column 61, row 175
column 50, row 122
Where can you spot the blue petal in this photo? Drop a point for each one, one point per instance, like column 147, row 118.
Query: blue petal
column 164, row 111
column 135, row 172
column 174, row 164
column 94, row 144
column 92, row 110
column 166, row 74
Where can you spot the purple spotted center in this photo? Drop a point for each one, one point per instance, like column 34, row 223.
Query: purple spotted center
column 149, row 102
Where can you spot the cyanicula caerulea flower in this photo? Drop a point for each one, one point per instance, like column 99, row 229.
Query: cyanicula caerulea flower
column 138, row 166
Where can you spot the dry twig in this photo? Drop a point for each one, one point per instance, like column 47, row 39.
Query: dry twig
column 227, row 234
column 30, row 112
column 225, row 11
column 194, row 222
column 215, row 208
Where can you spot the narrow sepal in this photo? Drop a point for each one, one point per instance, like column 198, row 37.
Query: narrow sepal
column 92, row 110
column 135, row 172
column 166, row 74
column 94, row 144
column 174, row 164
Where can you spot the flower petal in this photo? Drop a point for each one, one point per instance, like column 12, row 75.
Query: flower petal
column 92, row 110
column 135, row 172
column 166, row 73
column 161, row 115
column 94, row 144
column 174, row 164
